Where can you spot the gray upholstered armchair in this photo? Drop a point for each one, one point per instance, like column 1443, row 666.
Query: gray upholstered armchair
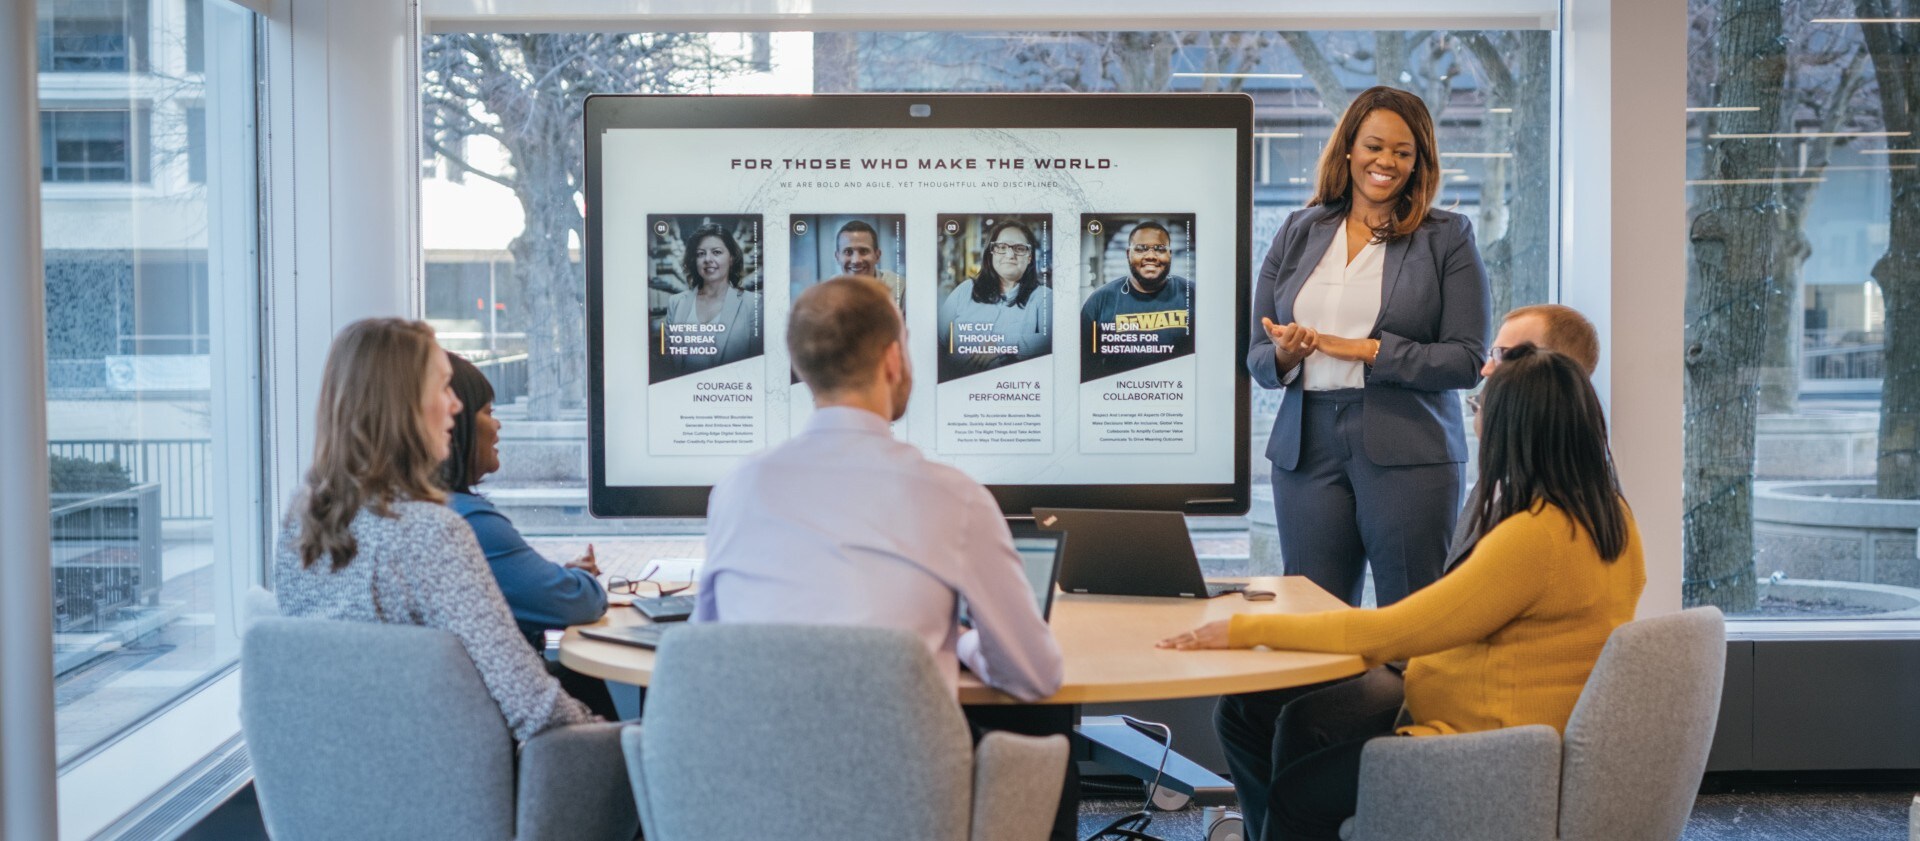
column 1627, row 770
column 828, row 733
column 367, row 731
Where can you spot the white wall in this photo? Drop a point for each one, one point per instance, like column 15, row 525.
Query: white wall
column 342, row 118
column 1623, row 246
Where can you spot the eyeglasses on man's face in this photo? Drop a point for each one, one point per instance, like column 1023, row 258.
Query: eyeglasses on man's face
column 1498, row 354
column 1149, row 249
column 1016, row 249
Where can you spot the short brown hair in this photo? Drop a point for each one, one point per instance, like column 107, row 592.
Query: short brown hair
column 838, row 331
column 1568, row 332
column 1334, row 182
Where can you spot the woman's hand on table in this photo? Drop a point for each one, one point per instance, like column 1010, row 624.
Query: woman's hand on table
column 1210, row 635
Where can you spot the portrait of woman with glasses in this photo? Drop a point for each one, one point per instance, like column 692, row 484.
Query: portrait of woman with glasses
column 1004, row 313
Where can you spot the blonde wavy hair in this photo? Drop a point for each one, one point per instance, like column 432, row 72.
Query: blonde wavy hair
column 1334, row 179
column 371, row 445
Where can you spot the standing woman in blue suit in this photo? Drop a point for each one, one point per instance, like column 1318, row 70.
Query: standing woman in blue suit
column 1371, row 311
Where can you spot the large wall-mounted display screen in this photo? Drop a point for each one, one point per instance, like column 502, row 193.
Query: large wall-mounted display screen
column 1073, row 270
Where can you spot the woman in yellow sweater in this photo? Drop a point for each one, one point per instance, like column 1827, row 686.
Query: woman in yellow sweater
column 1509, row 636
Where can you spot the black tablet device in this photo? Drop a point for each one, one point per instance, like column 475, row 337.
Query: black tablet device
column 641, row 636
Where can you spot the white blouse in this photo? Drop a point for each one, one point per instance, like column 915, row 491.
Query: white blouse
column 1340, row 299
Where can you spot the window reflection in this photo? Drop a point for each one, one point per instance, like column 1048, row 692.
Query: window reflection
column 1800, row 467
column 1491, row 92
column 133, row 190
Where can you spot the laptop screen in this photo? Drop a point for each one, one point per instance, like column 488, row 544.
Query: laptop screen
column 1041, row 557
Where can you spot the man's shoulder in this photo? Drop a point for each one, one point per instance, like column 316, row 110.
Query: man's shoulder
column 950, row 478
column 1106, row 291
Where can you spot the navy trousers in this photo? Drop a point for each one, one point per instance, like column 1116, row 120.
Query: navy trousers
column 1269, row 736
column 1338, row 511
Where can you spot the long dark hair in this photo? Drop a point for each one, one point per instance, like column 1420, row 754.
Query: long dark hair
column 986, row 284
column 371, row 443
column 1334, row 182
column 460, row 472
column 1545, row 441
column 689, row 265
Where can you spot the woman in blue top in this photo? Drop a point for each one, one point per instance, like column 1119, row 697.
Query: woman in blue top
column 541, row 594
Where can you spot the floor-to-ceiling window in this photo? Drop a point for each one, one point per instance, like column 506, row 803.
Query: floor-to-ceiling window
column 1802, row 351
column 150, row 230
column 1492, row 94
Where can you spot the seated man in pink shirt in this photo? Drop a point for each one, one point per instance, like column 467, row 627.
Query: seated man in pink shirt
column 846, row 525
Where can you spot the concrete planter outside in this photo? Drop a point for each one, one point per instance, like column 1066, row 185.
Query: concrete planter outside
column 1884, row 600
column 1834, row 531
column 1817, row 445
column 542, row 451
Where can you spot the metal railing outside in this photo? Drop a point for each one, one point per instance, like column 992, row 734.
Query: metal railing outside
column 508, row 374
column 181, row 467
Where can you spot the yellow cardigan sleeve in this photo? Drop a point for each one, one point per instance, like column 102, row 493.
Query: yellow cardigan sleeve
column 1506, row 574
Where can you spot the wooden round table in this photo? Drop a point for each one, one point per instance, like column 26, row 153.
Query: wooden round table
column 1106, row 641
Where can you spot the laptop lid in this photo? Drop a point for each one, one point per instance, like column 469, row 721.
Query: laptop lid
column 1040, row 557
column 1124, row 553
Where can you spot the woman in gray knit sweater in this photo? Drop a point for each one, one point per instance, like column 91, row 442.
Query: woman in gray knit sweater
column 370, row 537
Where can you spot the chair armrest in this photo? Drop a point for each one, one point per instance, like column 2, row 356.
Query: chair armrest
column 1016, row 785
column 573, row 785
column 632, row 743
column 260, row 604
column 1497, row 784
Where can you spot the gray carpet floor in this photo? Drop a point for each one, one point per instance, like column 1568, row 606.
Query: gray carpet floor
column 1801, row 816
column 1820, row 815
column 1778, row 815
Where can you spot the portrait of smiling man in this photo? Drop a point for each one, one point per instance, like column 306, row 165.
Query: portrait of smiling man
column 857, row 247
column 1145, row 316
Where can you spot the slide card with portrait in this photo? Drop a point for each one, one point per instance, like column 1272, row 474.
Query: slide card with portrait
column 1137, row 320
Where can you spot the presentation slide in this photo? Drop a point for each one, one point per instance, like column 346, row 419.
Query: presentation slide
column 827, row 245
column 1069, row 294
column 1136, row 330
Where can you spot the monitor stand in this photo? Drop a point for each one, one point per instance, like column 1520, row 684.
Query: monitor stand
column 1114, row 746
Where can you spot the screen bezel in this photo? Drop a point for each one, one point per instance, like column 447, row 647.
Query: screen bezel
column 946, row 111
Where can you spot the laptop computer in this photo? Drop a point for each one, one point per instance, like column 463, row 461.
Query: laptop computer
column 1040, row 560
column 1128, row 553
column 1040, row 557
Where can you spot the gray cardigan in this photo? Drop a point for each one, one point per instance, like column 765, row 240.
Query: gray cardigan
column 423, row 567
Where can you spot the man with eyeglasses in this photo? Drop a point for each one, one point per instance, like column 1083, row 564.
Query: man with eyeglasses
column 1552, row 327
column 1150, row 301
column 857, row 247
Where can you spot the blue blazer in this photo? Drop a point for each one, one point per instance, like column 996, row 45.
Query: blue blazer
column 1432, row 330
